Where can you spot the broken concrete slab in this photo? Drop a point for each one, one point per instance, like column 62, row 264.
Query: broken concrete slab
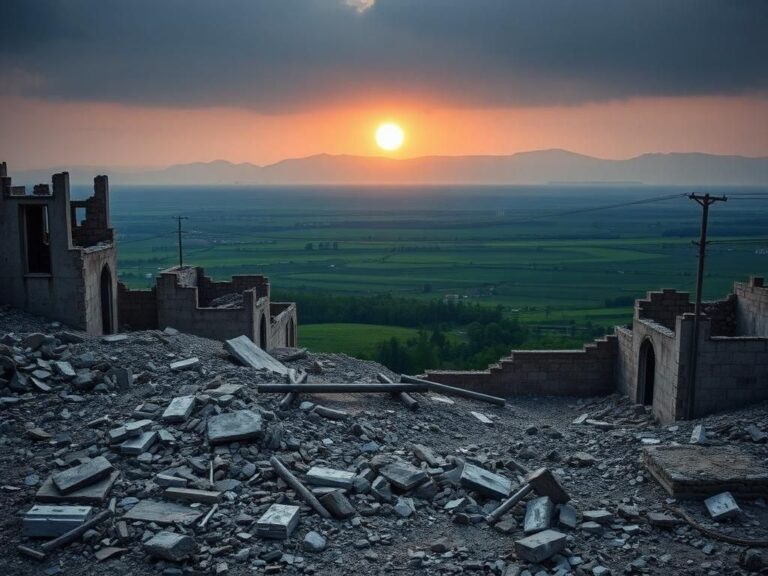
column 167, row 480
column 179, row 409
column 403, row 476
column 234, row 426
column 83, row 475
column 690, row 471
column 139, row 444
column 95, row 493
column 114, row 338
column 338, row 505
column 321, row 476
column 51, row 521
column 699, row 435
column 485, row 482
column 278, row 522
column 251, row 355
column 162, row 513
column 192, row 495
column 482, row 418
column 170, row 546
column 545, row 483
column 540, row 546
column 722, row 506
column 538, row 515
column 186, row 364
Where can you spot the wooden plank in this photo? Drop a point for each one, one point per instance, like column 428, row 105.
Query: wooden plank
column 453, row 390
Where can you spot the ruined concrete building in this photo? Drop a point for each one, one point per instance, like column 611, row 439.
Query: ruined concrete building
column 187, row 300
column 57, row 256
column 649, row 360
column 59, row 260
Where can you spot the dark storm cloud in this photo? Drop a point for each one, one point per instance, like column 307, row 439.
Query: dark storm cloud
column 287, row 55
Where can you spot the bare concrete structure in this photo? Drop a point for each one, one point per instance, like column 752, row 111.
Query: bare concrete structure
column 649, row 360
column 186, row 299
column 57, row 255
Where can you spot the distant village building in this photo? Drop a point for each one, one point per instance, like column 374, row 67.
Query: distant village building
column 649, row 360
column 59, row 260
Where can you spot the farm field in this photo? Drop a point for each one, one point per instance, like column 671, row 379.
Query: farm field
column 551, row 255
column 358, row 340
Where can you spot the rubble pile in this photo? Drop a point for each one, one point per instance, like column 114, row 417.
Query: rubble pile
column 158, row 450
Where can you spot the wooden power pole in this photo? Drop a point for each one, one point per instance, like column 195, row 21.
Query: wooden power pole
column 705, row 201
column 181, row 253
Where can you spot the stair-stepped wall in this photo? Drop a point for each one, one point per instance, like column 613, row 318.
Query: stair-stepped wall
column 585, row 372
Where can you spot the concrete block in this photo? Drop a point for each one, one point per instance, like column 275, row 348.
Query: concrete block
column 403, row 476
column 139, row 444
column 82, row 475
column 52, row 521
column 338, row 505
column 722, row 506
column 540, row 546
column 179, row 409
column 485, row 482
column 278, row 522
column 234, row 426
column 170, row 546
column 192, row 495
column 320, row 476
column 162, row 513
column 545, row 483
column 186, row 364
column 538, row 515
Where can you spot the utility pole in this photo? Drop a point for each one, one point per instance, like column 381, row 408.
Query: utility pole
column 181, row 256
column 705, row 201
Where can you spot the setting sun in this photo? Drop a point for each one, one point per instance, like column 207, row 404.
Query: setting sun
column 389, row 136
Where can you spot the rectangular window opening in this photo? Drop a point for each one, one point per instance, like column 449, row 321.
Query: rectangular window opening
column 37, row 239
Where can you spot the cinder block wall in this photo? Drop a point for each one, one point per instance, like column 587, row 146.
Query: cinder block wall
column 209, row 290
column 731, row 372
column 751, row 308
column 663, row 307
column 284, row 322
column 585, row 372
column 137, row 309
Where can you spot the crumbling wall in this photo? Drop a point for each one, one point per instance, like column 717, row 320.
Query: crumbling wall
column 663, row 307
column 137, row 309
column 751, row 308
column 585, row 372
column 177, row 306
column 209, row 290
column 722, row 315
column 731, row 372
column 67, row 291
column 284, row 322
column 669, row 395
column 95, row 228
column 626, row 365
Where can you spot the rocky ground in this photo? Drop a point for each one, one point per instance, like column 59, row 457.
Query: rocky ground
column 52, row 420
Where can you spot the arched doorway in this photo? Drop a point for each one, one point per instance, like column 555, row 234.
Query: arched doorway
column 290, row 333
column 105, row 291
column 263, row 332
column 646, row 373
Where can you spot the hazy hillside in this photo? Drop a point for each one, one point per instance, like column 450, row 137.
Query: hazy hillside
column 524, row 168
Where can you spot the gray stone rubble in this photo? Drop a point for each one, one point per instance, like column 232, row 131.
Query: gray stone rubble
column 182, row 457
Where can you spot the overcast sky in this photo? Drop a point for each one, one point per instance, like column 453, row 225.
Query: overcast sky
column 291, row 59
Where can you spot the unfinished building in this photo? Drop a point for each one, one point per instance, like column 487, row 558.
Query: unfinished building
column 186, row 299
column 649, row 361
column 58, row 255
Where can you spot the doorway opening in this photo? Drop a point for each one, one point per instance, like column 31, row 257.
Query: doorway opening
column 646, row 376
column 263, row 332
column 105, row 291
column 37, row 239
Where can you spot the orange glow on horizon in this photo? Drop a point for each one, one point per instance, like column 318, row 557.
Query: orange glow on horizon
column 46, row 134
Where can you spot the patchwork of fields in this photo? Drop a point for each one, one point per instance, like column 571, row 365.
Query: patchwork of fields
column 535, row 250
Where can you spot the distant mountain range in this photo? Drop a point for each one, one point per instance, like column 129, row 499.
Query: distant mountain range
column 537, row 167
